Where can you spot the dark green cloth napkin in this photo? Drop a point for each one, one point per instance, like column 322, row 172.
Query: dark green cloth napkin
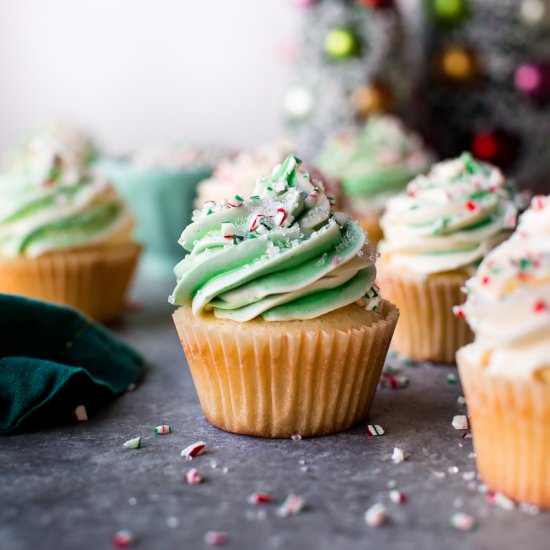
column 53, row 359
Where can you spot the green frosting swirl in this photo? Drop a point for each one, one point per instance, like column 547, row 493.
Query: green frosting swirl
column 281, row 254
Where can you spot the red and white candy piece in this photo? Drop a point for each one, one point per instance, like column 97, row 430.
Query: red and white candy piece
column 208, row 204
column 228, row 230
column 292, row 505
column 255, row 222
column 162, row 429
column 123, row 539
column 375, row 516
column 398, row 455
column 397, row 497
column 280, row 217
column 375, row 430
column 500, row 500
column 216, row 538
column 458, row 311
column 311, row 199
column 235, row 202
column 460, row 422
column 462, row 521
column 537, row 202
column 260, row 498
column 193, row 450
column 193, row 477
column 81, row 413
column 134, row 443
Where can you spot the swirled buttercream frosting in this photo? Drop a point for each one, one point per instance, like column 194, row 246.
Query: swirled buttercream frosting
column 281, row 254
column 448, row 219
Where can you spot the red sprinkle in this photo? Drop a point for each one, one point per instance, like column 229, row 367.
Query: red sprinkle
column 260, row 498
column 471, row 206
column 485, row 280
column 458, row 311
column 123, row 539
column 537, row 202
column 540, row 306
column 216, row 538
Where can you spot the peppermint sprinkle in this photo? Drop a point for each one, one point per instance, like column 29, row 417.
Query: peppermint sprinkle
column 374, row 430
column 81, row 413
column 460, row 422
column 292, row 505
column 500, row 500
column 311, row 199
column 235, row 202
column 375, row 516
column 209, row 204
column 123, row 539
column 228, row 230
column 398, row 455
column 193, row 450
column 462, row 521
column 458, row 311
column 134, row 443
column 471, row 206
column 163, row 429
column 216, row 538
column 193, row 477
column 256, row 220
column 540, row 306
column 537, row 203
column 485, row 280
column 281, row 216
column 336, row 260
column 397, row 497
column 296, row 437
column 260, row 498
column 394, row 382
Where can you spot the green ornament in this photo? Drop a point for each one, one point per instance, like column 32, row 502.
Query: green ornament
column 342, row 43
column 449, row 11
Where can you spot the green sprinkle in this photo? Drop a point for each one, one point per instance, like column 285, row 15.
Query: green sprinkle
column 239, row 198
column 524, row 263
column 269, row 188
column 255, row 197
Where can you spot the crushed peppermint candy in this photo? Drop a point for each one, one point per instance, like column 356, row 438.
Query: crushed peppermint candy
column 462, row 521
column 296, row 437
column 193, row 450
column 260, row 498
column 398, row 455
column 292, row 505
column 458, row 311
column 375, row 430
column 162, row 429
column 235, row 202
column 255, row 222
column 216, row 538
column 193, row 477
column 397, row 497
column 394, row 382
column 460, row 422
column 228, row 230
column 81, row 413
column 501, row 500
column 123, row 539
column 376, row 515
column 281, row 216
column 134, row 443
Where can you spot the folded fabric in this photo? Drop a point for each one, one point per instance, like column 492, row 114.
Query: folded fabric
column 53, row 359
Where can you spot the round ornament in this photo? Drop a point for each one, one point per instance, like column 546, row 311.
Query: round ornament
column 298, row 103
column 533, row 80
column 374, row 97
column 449, row 12
column 495, row 146
column 533, row 12
column 376, row 4
column 458, row 64
column 342, row 43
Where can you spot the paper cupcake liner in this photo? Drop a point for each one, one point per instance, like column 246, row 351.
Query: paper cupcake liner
column 427, row 330
column 277, row 379
column 93, row 281
column 510, row 421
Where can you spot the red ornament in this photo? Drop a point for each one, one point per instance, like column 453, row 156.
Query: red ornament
column 495, row 146
column 376, row 4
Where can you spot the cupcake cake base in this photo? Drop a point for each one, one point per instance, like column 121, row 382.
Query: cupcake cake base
column 94, row 281
column 278, row 379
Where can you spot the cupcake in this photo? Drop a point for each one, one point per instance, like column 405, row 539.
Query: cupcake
column 280, row 319
column 65, row 235
column 505, row 372
column 374, row 165
column 435, row 235
column 159, row 186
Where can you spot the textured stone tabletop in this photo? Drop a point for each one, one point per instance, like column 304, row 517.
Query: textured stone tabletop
column 73, row 487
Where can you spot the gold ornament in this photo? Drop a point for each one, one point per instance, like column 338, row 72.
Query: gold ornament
column 374, row 97
column 458, row 63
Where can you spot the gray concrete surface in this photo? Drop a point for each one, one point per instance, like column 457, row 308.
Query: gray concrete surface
column 73, row 487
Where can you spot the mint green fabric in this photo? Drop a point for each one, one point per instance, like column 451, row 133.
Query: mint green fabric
column 162, row 202
column 53, row 359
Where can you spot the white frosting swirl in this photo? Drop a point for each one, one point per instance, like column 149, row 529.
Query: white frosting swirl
column 449, row 219
column 508, row 304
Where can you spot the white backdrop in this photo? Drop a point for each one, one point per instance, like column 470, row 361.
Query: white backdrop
column 138, row 71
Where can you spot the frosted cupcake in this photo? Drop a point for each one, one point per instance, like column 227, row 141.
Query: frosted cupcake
column 506, row 371
column 159, row 185
column 435, row 235
column 374, row 165
column 65, row 235
column 281, row 322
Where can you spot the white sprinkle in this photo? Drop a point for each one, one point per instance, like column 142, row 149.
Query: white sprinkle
column 375, row 516
column 461, row 400
column 391, row 484
column 468, row 476
column 172, row 522
column 132, row 501
column 81, row 413
column 453, row 469
column 460, row 422
column 134, row 443
column 462, row 521
column 471, row 455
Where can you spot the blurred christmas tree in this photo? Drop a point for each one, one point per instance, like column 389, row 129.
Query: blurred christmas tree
column 350, row 64
column 485, row 83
